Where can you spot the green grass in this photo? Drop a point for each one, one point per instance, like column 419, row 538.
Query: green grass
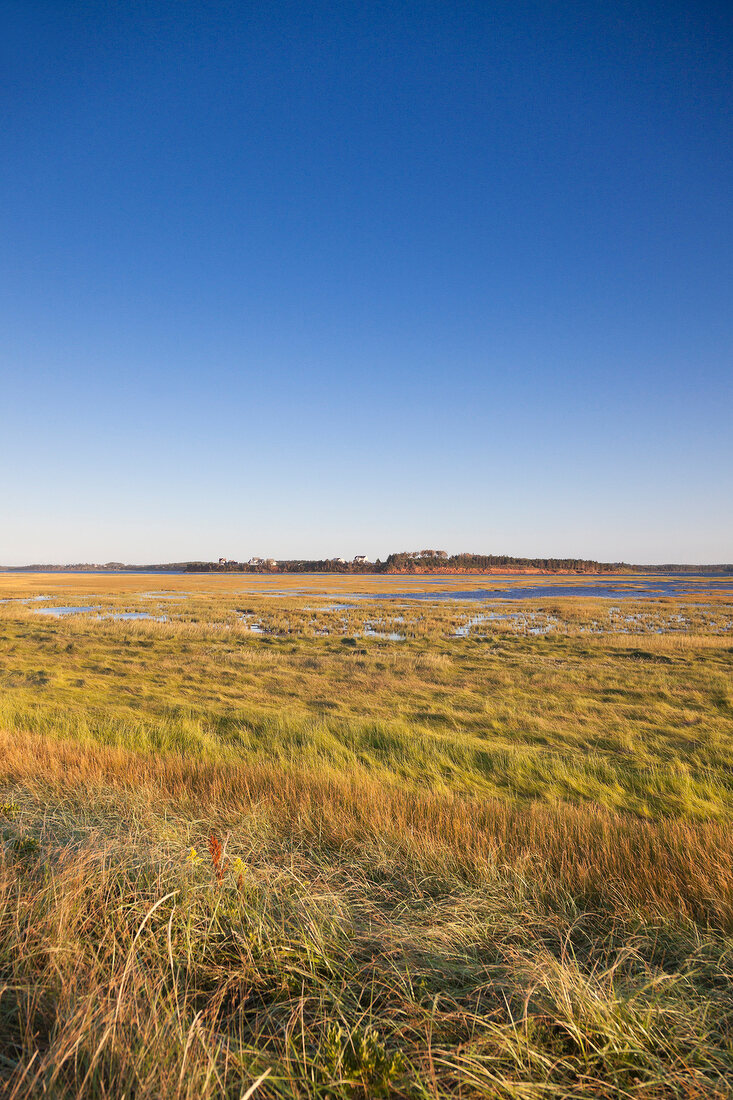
column 497, row 865
column 632, row 723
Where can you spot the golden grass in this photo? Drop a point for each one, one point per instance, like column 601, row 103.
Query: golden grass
column 216, row 584
column 347, row 942
column 665, row 869
column 302, row 865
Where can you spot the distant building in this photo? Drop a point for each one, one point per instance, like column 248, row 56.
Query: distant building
column 418, row 554
column 360, row 559
column 341, row 561
column 262, row 563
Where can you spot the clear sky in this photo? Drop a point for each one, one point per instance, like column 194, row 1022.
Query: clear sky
column 307, row 279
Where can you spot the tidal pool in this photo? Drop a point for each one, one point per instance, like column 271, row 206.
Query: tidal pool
column 129, row 615
column 369, row 632
column 524, row 587
column 57, row 612
column 522, row 618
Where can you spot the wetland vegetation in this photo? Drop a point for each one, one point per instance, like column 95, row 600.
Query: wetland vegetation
column 335, row 841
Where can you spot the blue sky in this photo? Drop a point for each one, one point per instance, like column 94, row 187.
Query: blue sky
column 334, row 278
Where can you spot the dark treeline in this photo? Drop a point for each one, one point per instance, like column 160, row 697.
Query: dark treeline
column 108, row 567
column 326, row 565
column 420, row 561
column 438, row 561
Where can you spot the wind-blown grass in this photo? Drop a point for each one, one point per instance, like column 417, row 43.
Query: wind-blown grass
column 450, row 867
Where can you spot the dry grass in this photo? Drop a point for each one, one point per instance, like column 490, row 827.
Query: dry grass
column 664, row 869
column 283, row 866
column 347, row 942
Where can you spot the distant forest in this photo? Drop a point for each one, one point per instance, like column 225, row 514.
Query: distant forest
column 406, row 562
column 438, row 561
column 422, row 561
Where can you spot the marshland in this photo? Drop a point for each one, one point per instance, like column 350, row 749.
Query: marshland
column 359, row 837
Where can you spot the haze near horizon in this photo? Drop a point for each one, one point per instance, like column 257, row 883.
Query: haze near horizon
column 303, row 281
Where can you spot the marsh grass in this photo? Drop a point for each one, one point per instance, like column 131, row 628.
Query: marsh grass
column 375, row 945
column 285, row 866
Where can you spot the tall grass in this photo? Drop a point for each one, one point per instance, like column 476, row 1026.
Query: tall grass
column 285, row 866
column 355, row 944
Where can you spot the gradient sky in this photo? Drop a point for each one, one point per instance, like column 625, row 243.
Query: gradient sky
column 306, row 279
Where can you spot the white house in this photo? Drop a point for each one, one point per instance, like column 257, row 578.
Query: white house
column 360, row 559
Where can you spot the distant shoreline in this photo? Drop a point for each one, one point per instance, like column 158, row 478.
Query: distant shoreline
column 152, row 570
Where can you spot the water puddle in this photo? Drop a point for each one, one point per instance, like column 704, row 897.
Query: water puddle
column 25, row 599
column 525, row 620
column 57, row 612
column 253, row 628
column 128, row 616
column 464, row 630
column 391, row 636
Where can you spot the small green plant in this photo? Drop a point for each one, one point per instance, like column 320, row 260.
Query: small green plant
column 361, row 1059
column 25, row 846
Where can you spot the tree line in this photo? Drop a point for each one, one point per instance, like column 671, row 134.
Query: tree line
column 420, row 561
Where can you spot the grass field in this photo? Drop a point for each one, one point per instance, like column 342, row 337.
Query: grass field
column 256, row 846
